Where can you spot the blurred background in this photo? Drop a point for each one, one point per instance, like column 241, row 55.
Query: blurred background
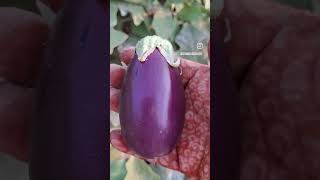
column 184, row 22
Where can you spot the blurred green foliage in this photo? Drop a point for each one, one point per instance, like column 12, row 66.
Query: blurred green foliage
column 185, row 23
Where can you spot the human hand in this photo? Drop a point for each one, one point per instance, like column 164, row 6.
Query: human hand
column 20, row 52
column 192, row 153
column 275, row 59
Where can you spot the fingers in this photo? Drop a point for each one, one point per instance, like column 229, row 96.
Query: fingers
column 114, row 99
column 118, row 142
column 127, row 54
column 22, row 38
column 116, row 75
column 15, row 116
column 189, row 69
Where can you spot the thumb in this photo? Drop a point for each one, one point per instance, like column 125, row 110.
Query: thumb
column 117, row 141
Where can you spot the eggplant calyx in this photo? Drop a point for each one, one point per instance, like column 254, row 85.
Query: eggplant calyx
column 149, row 43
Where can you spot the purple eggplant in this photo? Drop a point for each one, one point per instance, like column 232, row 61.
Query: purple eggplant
column 69, row 140
column 152, row 105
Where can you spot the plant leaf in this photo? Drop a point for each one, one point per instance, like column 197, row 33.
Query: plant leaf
column 188, row 39
column 168, row 174
column 46, row 12
column 192, row 13
column 163, row 23
column 139, row 170
column 137, row 12
column 136, row 1
column 174, row 5
column 113, row 14
column 116, row 38
column 114, row 118
column 117, row 169
column 117, row 155
column 207, row 4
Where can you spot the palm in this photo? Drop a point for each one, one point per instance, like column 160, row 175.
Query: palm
column 192, row 153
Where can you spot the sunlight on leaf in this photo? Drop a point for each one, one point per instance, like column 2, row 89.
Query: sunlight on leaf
column 113, row 14
column 207, row 4
column 189, row 39
column 116, row 38
column 136, row 1
column 114, row 118
column 117, row 155
column 168, row 174
column 164, row 24
column 192, row 13
column 137, row 12
column 117, row 169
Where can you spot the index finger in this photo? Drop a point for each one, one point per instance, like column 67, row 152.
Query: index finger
column 127, row 54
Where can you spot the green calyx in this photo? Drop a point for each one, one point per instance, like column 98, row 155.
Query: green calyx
column 149, row 43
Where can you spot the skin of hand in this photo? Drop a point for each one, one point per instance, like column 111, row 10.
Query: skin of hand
column 275, row 59
column 192, row 154
column 273, row 52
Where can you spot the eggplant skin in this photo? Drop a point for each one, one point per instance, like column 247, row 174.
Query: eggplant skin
column 71, row 114
column 152, row 106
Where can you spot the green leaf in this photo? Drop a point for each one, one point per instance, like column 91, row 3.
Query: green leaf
column 46, row 12
column 116, row 38
column 137, row 169
column 136, row 1
column 206, row 4
column 117, row 155
column 168, row 174
column 188, row 39
column 113, row 14
column 141, row 30
column 192, row 13
column 131, row 41
column 175, row 5
column 137, row 12
column 163, row 23
column 151, row 4
column 117, row 169
column 147, row 21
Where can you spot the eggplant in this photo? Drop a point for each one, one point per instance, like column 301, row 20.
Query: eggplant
column 152, row 102
column 70, row 136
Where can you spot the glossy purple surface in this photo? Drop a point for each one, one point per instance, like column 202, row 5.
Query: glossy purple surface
column 152, row 106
